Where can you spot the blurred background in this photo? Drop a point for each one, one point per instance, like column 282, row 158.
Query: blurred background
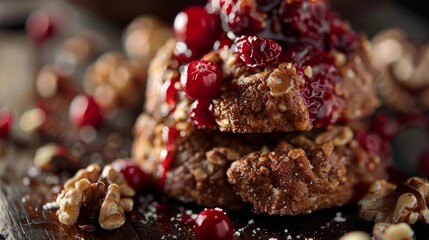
column 106, row 19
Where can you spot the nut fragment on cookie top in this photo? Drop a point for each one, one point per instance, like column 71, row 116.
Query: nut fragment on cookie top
column 279, row 66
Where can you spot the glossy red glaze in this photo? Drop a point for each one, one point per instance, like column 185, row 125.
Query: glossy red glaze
column 201, row 114
column 169, row 93
column 169, row 136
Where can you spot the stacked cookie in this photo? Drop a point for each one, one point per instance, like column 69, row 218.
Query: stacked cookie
column 249, row 104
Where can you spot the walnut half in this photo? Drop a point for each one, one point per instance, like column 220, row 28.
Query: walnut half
column 405, row 202
column 387, row 231
column 105, row 194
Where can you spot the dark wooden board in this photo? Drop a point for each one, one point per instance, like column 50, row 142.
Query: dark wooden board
column 22, row 215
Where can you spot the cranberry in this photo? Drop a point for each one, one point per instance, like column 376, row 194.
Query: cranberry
column 222, row 44
column 256, row 51
column 40, row 26
column 5, row 123
column 424, row 164
column 85, row 111
column 341, row 37
column 184, row 53
column 196, row 27
column 201, row 79
column 242, row 17
column 213, row 224
column 305, row 20
column 201, row 114
column 133, row 174
column 169, row 93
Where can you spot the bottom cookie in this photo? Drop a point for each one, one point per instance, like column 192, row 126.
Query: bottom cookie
column 276, row 173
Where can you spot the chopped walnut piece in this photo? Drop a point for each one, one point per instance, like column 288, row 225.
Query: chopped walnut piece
column 283, row 80
column 338, row 136
column 355, row 235
column 92, row 173
column 406, row 202
column 112, row 176
column 70, row 201
column 112, row 210
column 387, row 231
column 105, row 195
column 55, row 158
column 220, row 156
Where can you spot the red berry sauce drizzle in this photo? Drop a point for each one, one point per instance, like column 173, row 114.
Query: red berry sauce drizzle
column 169, row 136
column 169, row 93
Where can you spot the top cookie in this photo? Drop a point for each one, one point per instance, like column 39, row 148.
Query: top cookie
column 297, row 67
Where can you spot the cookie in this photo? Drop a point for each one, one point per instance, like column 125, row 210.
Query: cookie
column 276, row 173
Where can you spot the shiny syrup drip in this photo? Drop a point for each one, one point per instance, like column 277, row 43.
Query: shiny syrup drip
column 201, row 114
column 169, row 93
column 169, row 136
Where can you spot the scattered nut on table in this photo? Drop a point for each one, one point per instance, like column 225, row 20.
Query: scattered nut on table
column 106, row 196
column 390, row 203
column 388, row 231
column 54, row 158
